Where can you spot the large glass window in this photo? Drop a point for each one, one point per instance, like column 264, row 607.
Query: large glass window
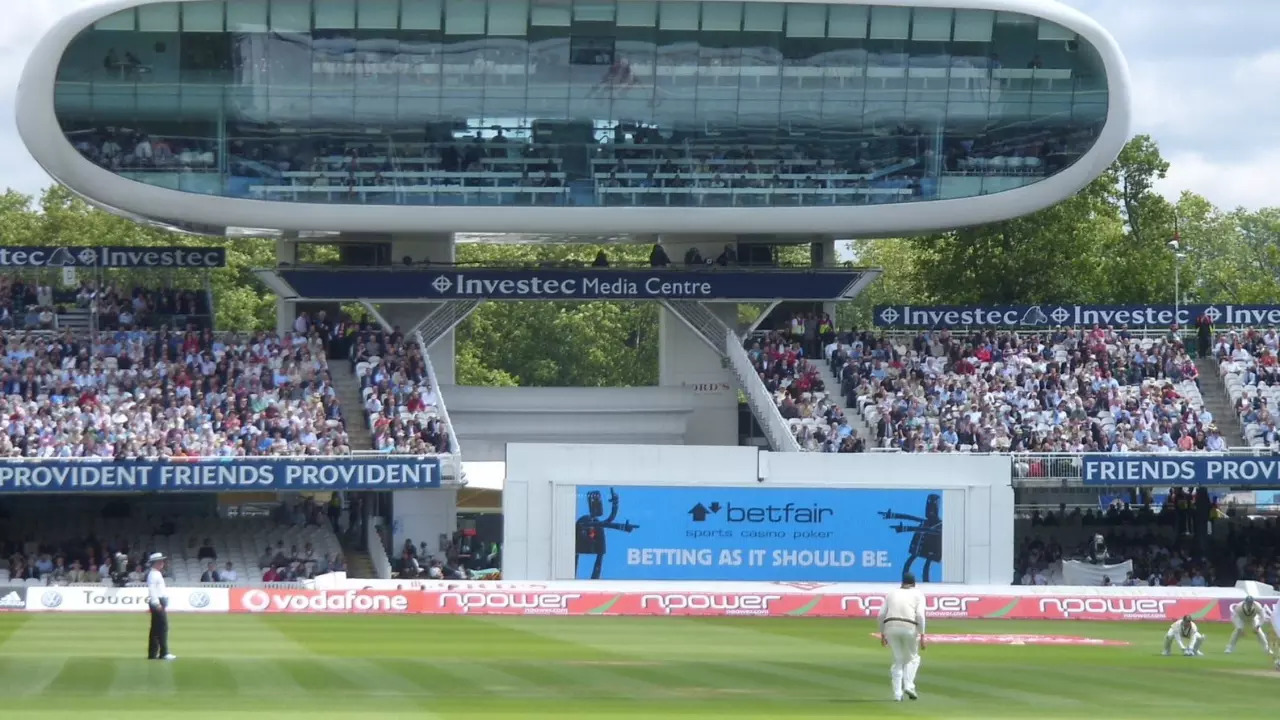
column 580, row 102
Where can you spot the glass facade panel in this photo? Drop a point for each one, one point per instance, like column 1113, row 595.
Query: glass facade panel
column 579, row 102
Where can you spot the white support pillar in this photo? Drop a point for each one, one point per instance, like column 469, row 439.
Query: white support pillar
column 684, row 360
column 286, row 311
column 829, row 259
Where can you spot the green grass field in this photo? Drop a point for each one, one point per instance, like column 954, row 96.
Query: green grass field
column 593, row 668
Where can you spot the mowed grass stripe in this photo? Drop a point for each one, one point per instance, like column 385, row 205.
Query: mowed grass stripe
column 812, row 680
column 138, row 676
column 25, row 676
column 199, row 675
column 318, row 675
column 261, row 678
column 83, row 677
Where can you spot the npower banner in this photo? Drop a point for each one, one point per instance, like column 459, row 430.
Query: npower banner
column 948, row 605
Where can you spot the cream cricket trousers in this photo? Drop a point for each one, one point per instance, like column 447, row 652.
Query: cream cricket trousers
column 904, row 642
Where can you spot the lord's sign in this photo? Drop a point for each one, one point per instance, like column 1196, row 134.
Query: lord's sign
column 230, row 475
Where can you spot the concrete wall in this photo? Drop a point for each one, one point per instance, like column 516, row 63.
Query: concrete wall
column 487, row 419
column 423, row 515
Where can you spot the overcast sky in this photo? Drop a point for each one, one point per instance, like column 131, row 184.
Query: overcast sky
column 1205, row 76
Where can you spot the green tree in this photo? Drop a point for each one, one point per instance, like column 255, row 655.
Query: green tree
column 557, row 344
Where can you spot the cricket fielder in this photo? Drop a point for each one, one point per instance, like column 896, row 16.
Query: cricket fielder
column 1275, row 627
column 1187, row 635
column 1247, row 616
column 902, row 631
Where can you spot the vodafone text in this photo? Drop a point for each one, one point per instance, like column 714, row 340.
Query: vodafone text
column 303, row 601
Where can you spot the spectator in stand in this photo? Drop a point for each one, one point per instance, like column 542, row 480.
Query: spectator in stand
column 229, row 574
column 211, row 574
column 206, row 551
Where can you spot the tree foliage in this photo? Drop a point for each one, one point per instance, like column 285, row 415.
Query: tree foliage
column 1109, row 243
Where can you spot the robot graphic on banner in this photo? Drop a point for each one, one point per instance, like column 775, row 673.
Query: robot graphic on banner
column 590, row 529
column 926, row 538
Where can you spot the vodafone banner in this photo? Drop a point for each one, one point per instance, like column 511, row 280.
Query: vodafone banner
column 385, row 602
column 128, row 599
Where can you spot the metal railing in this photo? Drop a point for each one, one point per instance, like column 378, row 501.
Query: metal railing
column 758, row 398
column 454, row 460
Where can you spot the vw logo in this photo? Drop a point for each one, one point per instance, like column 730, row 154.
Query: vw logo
column 51, row 599
column 199, row 599
column 255, row 600
column 442, row 284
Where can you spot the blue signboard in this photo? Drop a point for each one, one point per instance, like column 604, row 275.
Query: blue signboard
column 239, row 474
column 1049, row 315
column 113, row 257
column 584, row 284
column 757, row 534
column 1180, row 470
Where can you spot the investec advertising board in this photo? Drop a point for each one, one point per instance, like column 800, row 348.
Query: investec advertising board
column 583, row 284
column 757, row 534
column 1051, row 315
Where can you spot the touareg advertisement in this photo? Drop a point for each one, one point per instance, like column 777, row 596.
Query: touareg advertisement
column 757, row 534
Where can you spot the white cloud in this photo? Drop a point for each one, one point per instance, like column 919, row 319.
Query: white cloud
column 1204, row 77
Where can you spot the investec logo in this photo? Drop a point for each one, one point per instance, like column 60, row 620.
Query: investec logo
column 586, row 286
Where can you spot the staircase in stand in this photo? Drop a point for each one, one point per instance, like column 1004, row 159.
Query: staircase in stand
column 347, row 387
column 1218, row 402
column 728, row 345
column 444, row 317
column 834, row 396
column 77, row 321
column 358, row 564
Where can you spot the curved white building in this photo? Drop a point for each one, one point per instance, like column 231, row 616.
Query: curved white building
column 575, row 116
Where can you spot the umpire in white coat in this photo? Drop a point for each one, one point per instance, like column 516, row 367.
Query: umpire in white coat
column 902, row 628
column 158, row 604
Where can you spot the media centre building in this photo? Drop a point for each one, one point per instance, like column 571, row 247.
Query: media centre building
column 398, row 124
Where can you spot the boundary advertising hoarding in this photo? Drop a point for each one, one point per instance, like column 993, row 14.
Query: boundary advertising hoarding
column 603, row 598
column 757, row 534
column 1164, row 470
column 1034, row 317
column 736, row 599
column 75, row 598
column 219, row 475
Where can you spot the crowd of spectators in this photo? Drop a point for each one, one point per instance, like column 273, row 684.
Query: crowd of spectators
column 121, row 308
column 25, row 304
column 1069, row 390
column 1247, row 363
column 1187, row 539
column 126, row 149
column 138, row 393
column 797, row 388
column 400, row 405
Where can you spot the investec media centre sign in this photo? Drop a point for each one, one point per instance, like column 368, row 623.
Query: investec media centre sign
column 569, row 284
column 582, row 286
